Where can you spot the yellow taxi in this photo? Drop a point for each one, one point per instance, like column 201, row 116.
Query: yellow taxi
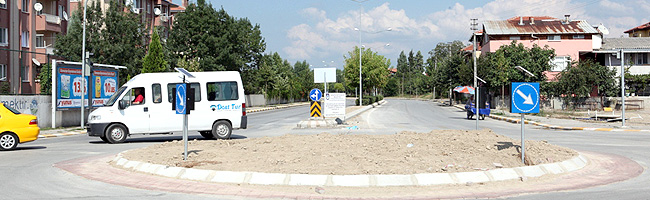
column 16, row 127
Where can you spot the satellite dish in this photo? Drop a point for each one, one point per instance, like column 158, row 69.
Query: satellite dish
column 36, row 62
column 3, row 2
column 156, row 11
column 603, row 29
column 129, row 2
column 65, row 16
column 38, row 7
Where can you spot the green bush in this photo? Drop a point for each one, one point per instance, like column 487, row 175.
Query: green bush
column 380, row 97
column 366, row 101
column 372, row 99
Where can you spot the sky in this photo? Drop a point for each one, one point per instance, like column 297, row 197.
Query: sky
column 322, row 32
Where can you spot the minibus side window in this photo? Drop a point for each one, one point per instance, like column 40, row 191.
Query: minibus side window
column 135, row 96
column 222, row 91
column 157, row 94
column 196, row 86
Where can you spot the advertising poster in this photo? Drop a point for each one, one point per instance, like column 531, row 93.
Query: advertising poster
column 70, row 85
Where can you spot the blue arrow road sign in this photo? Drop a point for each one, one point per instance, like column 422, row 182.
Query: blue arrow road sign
column 180, row 99
column 525, row 98
column 315, row 94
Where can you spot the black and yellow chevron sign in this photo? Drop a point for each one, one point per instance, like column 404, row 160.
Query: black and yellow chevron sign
column 315, row 109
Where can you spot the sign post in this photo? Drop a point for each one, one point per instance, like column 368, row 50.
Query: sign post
column 315, row 108
column 524, row 99
column 181, row 104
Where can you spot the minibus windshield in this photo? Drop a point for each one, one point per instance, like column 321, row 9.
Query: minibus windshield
column 113, row 98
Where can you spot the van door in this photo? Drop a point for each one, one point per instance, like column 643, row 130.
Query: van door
column 135, row 115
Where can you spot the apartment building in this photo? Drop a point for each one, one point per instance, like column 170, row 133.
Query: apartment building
column 570, row 38
column 28, row 29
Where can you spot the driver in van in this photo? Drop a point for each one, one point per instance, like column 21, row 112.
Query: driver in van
column 139, row 98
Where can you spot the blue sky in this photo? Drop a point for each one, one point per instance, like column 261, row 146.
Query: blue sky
column 323, row 30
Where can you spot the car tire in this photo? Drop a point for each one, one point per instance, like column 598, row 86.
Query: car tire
column 206, row 134
column 222, row 130
column 116, row 133
column 8, row 141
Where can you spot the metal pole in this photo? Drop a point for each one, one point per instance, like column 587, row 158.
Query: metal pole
column 185, row 122
column 623, row 88
column 475, row 85
column 360, row 53
column 83, row 64
column 523, row 148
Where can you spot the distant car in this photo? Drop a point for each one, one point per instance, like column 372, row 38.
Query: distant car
column 16, row 128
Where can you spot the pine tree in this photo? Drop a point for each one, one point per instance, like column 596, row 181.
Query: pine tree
column 155, row 60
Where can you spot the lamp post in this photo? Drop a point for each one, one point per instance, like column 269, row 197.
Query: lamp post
column 474, row 24
column 83, row 65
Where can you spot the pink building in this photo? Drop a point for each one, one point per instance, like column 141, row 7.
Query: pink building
column 28, row 29
column 569, row 38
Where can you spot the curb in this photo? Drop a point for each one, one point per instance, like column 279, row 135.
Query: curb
column 549, row 126
column 62, row 134
column 426, row 179
column 276, row 107
column 330, row 123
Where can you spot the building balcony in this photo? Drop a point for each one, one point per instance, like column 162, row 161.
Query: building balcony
column 48, row 22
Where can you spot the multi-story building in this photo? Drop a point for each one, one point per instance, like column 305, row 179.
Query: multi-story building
column 27, row 32
column 639, row 31
column 569, row 38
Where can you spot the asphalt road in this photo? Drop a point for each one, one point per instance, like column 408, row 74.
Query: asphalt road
column 27, row 172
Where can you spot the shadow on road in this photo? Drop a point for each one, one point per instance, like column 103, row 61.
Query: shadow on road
column 22, row 148
column 157, row 139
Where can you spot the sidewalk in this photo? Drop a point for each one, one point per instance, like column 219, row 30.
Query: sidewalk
column 562, row 124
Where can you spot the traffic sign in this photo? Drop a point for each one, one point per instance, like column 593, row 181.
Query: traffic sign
column 181, row 104
column 315, row 109
column 315, row 94
column 525, row 97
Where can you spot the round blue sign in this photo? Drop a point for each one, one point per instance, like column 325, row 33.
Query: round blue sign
column 315, row 94
column 180, row 99
column 525, row 98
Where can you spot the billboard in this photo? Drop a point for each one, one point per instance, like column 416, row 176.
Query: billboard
column 70, row 84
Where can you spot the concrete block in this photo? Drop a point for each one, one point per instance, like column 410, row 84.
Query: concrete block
column 434, row 179
column 532, row 171
column 196, row 174
column 570, row 166
column 267, row 178
column 229, row 177
column 394, row 180
column 142, row 166
column 307, row 179
column 131, row 164
column 351, row 180
column 474, row 177
column 503, row 174
column 121, row 162
column 553, row 168
column 170, row 171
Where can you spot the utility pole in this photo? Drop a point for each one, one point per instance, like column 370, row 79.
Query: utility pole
column 474, row 24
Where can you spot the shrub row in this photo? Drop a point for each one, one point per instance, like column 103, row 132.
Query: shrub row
column 370, row 99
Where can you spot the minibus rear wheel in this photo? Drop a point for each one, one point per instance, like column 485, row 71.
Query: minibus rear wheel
column 222, row 130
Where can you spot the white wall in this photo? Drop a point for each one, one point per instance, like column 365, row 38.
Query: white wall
column 39, row 105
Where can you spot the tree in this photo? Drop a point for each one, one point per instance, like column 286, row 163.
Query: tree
column 374, row 69
column 580, row 79
column 45, row 78
column 155, row 60
column 221, row 41
column 123, row 40
column 69, row 45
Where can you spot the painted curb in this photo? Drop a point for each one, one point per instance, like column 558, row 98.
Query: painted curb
column 549, row 126
column 62, row 134
column 424, row 179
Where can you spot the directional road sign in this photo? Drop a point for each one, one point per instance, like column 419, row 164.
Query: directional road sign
column 525, row 97
column 181, row 105
column 315, row 94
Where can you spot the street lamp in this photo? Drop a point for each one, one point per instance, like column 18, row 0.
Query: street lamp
column 360, row 55
column 83, row 65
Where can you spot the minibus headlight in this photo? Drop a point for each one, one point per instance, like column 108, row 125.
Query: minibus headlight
column 95, row 117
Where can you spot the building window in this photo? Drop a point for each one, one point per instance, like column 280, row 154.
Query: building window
column 25, row 6
column 641, row 58
column 3, row 37
column 578, row 36
column 554, row 37
column 3, row 71
column 24, row 74
column 515, row 38
column 40, row 40
column 560, row 63
column 148, row 7
column 61, row 11
column 24, row 39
